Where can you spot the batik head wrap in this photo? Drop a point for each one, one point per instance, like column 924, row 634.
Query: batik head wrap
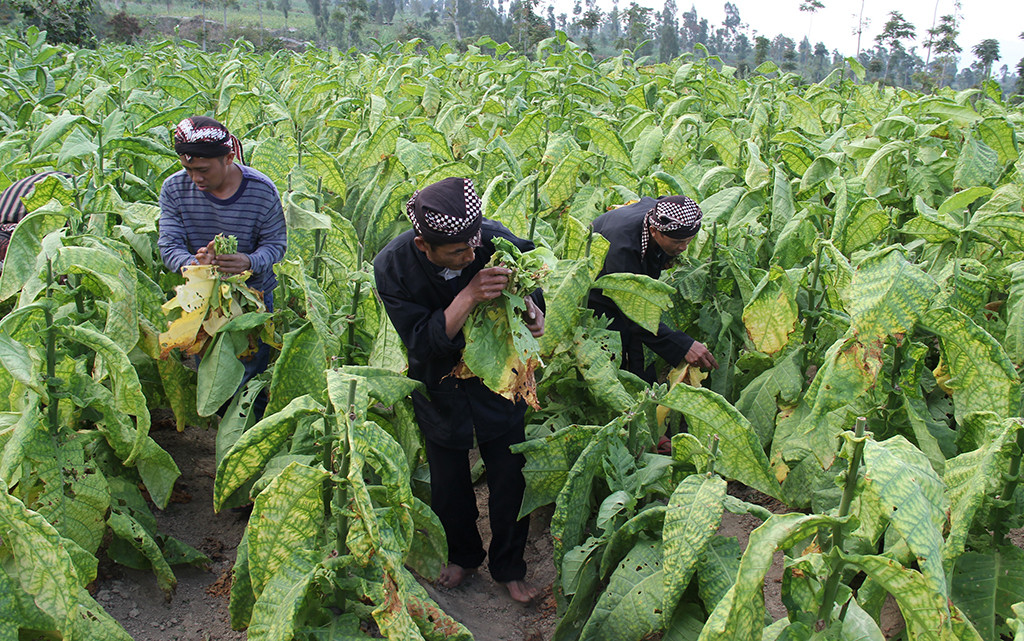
column 675, row 216
column 204, row 137
column 447, row 212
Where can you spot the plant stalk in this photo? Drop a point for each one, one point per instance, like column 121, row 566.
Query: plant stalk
column 53, row 404
column 849, row 489
column 353, row 314
column 1000, row 516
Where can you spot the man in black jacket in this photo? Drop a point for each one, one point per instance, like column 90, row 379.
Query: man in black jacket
column 430, row 278
column 644, row 238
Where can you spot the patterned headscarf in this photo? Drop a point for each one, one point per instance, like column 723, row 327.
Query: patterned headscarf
column 204, row 137
column 674, row 216
column 447, row 212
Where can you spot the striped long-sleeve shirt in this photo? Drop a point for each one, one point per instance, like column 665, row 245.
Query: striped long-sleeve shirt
column 189, row 219
column 12, row 210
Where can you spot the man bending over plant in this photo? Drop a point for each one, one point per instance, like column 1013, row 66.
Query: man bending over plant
column 430, row 278
column 215, row 194
column 644, row 238
column 12, row 209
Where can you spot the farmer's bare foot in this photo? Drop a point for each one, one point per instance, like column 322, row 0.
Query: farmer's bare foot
column 452, row 575
column 521, row 591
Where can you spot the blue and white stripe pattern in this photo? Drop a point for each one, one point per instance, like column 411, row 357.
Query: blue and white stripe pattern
column 190, row 218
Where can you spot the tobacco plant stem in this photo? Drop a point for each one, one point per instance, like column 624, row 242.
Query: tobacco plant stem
column 999, row 516
column 343, row 451
column 813, row 297
column 353, row 314
column 849, row 489
column 53, row 406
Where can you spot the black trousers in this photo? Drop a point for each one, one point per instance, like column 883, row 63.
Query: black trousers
column 453, row 500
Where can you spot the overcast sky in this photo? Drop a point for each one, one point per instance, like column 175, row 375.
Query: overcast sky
column 834, row 25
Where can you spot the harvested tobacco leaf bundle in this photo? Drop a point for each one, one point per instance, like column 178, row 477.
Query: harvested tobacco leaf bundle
column 500, row 350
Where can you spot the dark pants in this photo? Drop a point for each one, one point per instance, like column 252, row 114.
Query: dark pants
column 454, row 502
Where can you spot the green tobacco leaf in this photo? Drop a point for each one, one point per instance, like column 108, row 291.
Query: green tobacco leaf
column 220, row 374
column 276, row 613
column 639, row 296
column 888, row 294
column 1008, row 225
column 740, row 613
column 299, row 370
column 548, row 461
column 694, row 514
column 1013, row 342
column 977, row 164
column 717, row 569
column 631, row 606
column 709, row 414
column 255, row 447
column 285, row 522
column 107, row 278
column 572, row 506
column 561, row 183
column 770, row 315
column 981, row 375
column 998, row 134
column 759, row 400
column 41, row 565
column 862, row 225
column 501, row 350
column 242, row 597
column 606, row 141
column 25, row 248
column 647, row 148
column 804, row 115
column 900, row 478
column 512, row 211
column 972, row 477
column 758, row 173
column 928, row 613
column 564, row 301
column 128, row 396
column 429, row 549
column 625, row 537
column 835, row 398
column 75, row 495
column 384, row 385
column 131, row 531
column 783, row 207
column 986, row 585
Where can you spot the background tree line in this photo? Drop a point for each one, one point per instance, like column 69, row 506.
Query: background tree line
column 903, row 54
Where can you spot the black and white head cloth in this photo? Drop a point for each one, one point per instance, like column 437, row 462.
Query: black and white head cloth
column 447, row 212
column 204, row 137
column 675, row 216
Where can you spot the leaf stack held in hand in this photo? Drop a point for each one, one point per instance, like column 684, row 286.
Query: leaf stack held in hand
column 500, row 349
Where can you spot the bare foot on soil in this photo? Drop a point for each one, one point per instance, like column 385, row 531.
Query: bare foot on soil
column 453, row 575
column 521, row 591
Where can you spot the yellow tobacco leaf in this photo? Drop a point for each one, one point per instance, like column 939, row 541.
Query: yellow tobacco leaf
column 686, row 373
column 182, row 332
column 942, row 377
column 197, row 290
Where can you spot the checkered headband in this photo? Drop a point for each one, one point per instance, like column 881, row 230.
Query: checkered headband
column 674, row 216
column 204, row 137
column 447, row 212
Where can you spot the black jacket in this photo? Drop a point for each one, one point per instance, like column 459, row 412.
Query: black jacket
column 622, row 227
column 415, row 297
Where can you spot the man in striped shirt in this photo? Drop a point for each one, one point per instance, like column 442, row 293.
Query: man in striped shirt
column 213, row 194
column 12, row 209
